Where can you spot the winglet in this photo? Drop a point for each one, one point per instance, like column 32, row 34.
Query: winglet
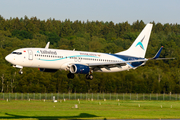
column 47, row 45
column 158, row 53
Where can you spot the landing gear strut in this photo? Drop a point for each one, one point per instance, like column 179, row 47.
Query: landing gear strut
column 21, row 72
column 70, row 75
column 90, row 77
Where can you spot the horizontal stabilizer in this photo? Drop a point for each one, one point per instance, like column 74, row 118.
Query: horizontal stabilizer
column 164, row 58
column 156, row 57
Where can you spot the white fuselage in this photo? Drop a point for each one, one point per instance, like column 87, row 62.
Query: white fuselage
column 61, row 59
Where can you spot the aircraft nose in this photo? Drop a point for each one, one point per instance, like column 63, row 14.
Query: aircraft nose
column 8, row 58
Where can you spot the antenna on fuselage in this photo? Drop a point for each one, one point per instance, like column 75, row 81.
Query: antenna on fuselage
column 47, row 45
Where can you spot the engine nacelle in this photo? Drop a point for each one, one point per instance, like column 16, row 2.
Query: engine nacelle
column 47, row 70
column 78, row 68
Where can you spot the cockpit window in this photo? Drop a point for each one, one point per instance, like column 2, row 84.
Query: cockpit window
column 18, row 53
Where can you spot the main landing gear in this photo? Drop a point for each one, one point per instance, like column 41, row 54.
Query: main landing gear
column 89, row 76
column 70, row 75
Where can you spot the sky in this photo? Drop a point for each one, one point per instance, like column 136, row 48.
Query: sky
column 117, row 11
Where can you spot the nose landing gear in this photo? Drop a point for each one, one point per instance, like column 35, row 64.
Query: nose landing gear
column 21, row 72
column 18, row 66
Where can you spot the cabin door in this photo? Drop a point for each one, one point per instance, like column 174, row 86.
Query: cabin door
column 30, row 54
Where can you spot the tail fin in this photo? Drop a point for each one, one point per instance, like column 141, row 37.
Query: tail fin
column 139, row 47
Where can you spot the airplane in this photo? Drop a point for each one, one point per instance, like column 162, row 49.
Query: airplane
column 82, row 62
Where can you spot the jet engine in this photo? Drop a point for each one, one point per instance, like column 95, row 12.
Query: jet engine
column 79, row 68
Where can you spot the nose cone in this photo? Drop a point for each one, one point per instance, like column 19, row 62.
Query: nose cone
column 8, row 58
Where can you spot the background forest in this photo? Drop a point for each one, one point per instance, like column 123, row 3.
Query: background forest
column 154, row 77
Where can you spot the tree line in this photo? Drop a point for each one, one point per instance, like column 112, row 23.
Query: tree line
column 96, row 36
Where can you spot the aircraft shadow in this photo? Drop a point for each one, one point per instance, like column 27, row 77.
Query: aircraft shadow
column 82, row 115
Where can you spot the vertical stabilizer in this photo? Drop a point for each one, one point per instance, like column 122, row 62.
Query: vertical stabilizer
column 139, row 47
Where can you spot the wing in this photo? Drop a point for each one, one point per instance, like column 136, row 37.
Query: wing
column 108, row 65
column 123, row 63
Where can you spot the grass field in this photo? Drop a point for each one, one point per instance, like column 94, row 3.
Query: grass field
column 23, row 109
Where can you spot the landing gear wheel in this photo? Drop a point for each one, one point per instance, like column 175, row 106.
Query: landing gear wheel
column 70, row 75
column 90, row 77
column 21, row 72
column 87, row 76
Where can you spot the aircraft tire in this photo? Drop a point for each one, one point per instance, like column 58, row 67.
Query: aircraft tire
column 70, row 75
column 21, row 72
column 89, row 77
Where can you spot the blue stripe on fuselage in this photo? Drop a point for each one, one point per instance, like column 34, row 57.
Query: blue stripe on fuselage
column 126, row 58
column 121, row 57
